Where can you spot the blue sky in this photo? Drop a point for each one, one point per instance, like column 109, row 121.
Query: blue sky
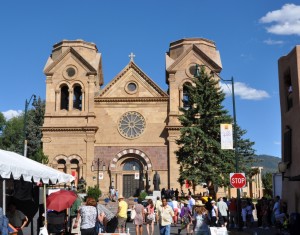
column 250, row 35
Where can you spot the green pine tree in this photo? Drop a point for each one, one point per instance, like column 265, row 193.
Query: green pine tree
column 35, row 120
column 199, row 155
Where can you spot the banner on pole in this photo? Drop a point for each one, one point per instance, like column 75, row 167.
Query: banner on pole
column 226, row 136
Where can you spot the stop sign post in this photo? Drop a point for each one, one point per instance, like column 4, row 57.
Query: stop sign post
column 238, row 180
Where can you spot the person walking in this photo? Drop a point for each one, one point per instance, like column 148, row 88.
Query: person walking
column 222, row 208
column 122, row 214
column 175, row 209
column 214, row 214
column 165, row 214
column 201, row 219
column 139, row 218
column 88, row 215
column 150, row 218
column 186, row 218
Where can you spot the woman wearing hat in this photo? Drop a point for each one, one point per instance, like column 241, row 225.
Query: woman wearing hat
column 201, row 219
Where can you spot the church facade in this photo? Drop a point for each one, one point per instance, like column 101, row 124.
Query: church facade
column 122, row 133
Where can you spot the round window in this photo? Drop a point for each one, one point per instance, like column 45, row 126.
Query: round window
column 71, row 72
column 192, row 70
column 132, row 125
column 131, row 86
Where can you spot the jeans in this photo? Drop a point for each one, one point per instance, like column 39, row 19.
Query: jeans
column 165, row 230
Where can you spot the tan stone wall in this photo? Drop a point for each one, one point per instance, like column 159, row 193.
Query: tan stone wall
column 289, row 66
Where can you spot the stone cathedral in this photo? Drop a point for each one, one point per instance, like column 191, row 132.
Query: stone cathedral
column 122, row 133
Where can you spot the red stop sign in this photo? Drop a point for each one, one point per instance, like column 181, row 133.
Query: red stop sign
column 238, row 180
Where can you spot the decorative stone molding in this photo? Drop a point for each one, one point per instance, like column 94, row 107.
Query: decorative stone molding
column 69, row 129
column 131, row 99
column 113, row 162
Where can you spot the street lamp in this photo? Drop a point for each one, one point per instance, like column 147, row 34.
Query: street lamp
column 235, row 135
column 96, row 164
column 27, row 103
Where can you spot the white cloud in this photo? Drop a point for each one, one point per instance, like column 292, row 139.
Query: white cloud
column 11, row 113
column 285, row 21
column 245, row 92
column 277, row 143
column 273, row 42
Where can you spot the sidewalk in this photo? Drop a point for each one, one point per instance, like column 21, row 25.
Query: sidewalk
column 254, row 231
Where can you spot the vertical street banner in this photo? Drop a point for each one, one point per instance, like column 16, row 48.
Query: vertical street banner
column 226, row 136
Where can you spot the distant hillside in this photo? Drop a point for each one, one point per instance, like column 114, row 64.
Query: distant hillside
column 269, row 163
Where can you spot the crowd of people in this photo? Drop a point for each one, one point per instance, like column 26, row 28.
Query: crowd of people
column 189, row 215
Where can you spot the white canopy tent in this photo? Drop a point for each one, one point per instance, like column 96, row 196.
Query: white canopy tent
column 16, row 166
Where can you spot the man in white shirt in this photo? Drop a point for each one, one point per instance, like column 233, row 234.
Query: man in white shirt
column 223, row 208
column 191, row 203
column 165, row 214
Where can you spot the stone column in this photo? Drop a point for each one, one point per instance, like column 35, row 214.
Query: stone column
column 57, row 100
column 173, row 166
column 70, row 99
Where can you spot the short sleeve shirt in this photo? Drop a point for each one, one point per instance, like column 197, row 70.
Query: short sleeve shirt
column 123, row 209
column 165, row 215
column 16, row 218
column 88, row 216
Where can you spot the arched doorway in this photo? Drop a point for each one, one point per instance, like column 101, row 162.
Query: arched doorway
column 132, row 178
column 130, row 173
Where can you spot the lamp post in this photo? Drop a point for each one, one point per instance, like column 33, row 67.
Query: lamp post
column 234, row 139
column 27, row 103
column 97, row 163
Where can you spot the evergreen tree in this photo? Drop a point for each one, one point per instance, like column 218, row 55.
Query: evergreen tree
column 199, row 155
column 35, row 120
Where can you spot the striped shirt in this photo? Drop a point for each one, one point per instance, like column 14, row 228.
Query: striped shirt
column 108, row 214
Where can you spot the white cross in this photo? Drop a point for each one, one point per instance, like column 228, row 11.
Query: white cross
column 131, row 56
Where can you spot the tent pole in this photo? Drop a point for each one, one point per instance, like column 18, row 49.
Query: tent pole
column 45, row 206
column 4, row 196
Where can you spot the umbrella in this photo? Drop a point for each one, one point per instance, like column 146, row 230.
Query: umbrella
column 61, row 200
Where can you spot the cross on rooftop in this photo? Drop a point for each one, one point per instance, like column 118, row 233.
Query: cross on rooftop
column 131, row 56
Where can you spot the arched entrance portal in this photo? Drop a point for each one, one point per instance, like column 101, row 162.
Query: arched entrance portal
column 132, row 178
column 130, row 174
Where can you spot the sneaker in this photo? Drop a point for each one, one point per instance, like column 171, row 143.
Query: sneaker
column 266, row 228
column 244, row 227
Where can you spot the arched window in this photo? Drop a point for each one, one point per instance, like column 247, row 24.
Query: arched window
column 74, row 161
column 131, row 165
column 77, row 97
column 64, row 98
column 61, row 161
column 185, row 96
column 62, row 165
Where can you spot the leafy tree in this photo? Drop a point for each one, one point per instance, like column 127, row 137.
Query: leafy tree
column 12, row 133
column 93, row 192
column 200, row 156
column 2, row 123
column 267, row 183
column 12, row 136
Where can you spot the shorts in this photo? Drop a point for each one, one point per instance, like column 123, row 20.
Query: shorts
column 122, row 222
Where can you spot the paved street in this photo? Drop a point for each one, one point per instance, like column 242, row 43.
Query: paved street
column 174, row 230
